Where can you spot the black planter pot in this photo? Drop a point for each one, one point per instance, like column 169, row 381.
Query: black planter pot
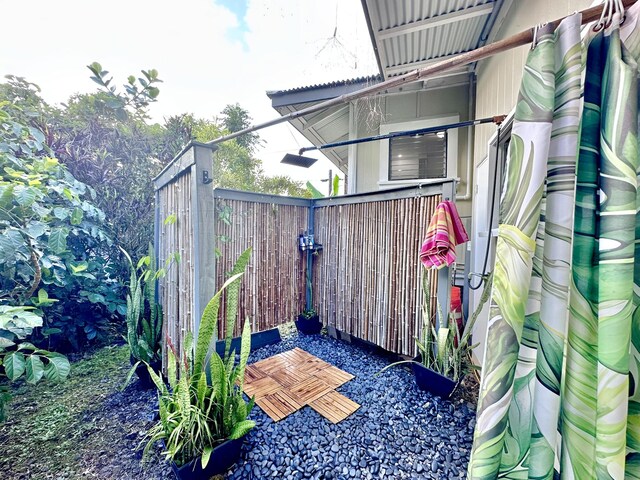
column 222, row 457
column 432, row 381
column 143, row 374
column 309, row 326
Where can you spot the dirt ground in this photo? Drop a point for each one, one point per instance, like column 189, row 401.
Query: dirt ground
column 83, row 428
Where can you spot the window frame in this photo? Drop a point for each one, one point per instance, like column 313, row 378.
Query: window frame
column 427, row 122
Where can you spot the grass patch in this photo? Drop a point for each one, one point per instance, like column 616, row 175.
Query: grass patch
column 81, row 428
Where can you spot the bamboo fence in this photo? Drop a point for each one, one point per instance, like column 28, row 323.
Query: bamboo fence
column 367, row 280
column 273, row 287
column 176, row 289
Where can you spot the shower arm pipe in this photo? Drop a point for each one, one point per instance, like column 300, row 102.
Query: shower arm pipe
column 525, row 37
column 407, row 133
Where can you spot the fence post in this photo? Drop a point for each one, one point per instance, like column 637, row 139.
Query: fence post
column 309, row 286
column 203, row 218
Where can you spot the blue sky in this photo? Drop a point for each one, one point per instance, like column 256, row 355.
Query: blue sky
column 239, row 9
column 209, row 53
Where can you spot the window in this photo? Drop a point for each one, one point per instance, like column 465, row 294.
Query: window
column 419, row 159
column 413, row 158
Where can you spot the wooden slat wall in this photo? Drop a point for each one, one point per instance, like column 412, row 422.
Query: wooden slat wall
column 273, row 287
column 176, row 289
column 367, row 279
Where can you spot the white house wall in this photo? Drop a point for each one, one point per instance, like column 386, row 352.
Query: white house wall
column 451, row 104
column 409, row 107
column 498, row 78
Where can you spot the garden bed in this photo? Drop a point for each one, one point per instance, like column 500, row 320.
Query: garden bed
column 86, row 428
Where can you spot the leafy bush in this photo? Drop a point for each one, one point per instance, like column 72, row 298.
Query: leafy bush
column 21, row 359
column 203, row 405
column 51, row 235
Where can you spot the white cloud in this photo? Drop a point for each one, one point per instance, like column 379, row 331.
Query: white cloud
column 287, row 44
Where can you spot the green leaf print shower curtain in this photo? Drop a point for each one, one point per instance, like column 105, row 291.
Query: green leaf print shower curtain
column 554, row 396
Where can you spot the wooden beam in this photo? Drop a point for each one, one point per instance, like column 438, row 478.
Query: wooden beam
column 432, row 22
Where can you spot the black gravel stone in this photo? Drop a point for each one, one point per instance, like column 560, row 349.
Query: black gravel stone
column 398, row 433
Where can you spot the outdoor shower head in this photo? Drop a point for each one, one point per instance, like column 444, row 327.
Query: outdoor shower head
column 298, row 160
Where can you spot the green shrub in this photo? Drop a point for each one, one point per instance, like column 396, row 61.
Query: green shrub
column 53, row 239
column 203, row 404
column 22, row 359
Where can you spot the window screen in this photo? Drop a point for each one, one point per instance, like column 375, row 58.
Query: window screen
column 412, row 158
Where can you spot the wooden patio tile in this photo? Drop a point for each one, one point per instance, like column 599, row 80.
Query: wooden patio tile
column 334, row 406
column 297, row 356
column 289, row 376
column 261, row 387
column 252, row 373
column 271, row 364
column 308, row 390
column 284, row 383
column 333, row 376
column 278, row 405
column 313, row 365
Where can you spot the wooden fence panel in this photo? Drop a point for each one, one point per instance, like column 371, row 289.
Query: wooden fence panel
column 273, row 287
column 367, row 279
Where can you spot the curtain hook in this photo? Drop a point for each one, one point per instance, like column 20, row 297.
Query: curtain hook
column 534, row 42
column 621, row 11
column 600, row 24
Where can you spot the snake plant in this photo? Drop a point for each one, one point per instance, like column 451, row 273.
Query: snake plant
column 202, row 406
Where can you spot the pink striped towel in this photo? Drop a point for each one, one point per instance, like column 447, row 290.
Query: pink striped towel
column 444, row 233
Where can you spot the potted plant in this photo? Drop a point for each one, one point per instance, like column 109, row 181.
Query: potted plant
column 144, row 319
column 308, row 322
column 203, row 415
column 444, row 350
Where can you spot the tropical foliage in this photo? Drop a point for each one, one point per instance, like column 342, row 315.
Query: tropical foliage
column 89, row 163
column 203, row 404
column 144, row 314
column 53, row 243
column 20, row 359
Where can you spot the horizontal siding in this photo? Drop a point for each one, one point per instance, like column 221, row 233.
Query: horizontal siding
column 499, row 76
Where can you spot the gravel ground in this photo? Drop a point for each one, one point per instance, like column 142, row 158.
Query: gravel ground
column 399, row 432
column 85, row 428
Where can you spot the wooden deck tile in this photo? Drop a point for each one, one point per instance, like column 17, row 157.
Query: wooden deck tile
column 296, row 356
column 333, row 376
column 261, row 387
column 289, row 380
column 334, row 406
column 278, row 405
column 289, row 376
column 271, row 364
column 308, row 390
column 313, row 365
column 253, row 373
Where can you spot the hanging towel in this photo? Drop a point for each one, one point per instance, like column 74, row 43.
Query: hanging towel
column 444, row 233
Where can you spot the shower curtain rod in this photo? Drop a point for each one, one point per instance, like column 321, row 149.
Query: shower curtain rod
column 519, row 39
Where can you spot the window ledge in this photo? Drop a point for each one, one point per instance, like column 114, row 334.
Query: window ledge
column 402, row 183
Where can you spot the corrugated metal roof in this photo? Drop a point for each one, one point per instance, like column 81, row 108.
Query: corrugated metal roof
column 407, row 32
column 337, row 83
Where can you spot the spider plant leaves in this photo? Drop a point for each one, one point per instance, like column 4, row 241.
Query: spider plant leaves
column 232, row 293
